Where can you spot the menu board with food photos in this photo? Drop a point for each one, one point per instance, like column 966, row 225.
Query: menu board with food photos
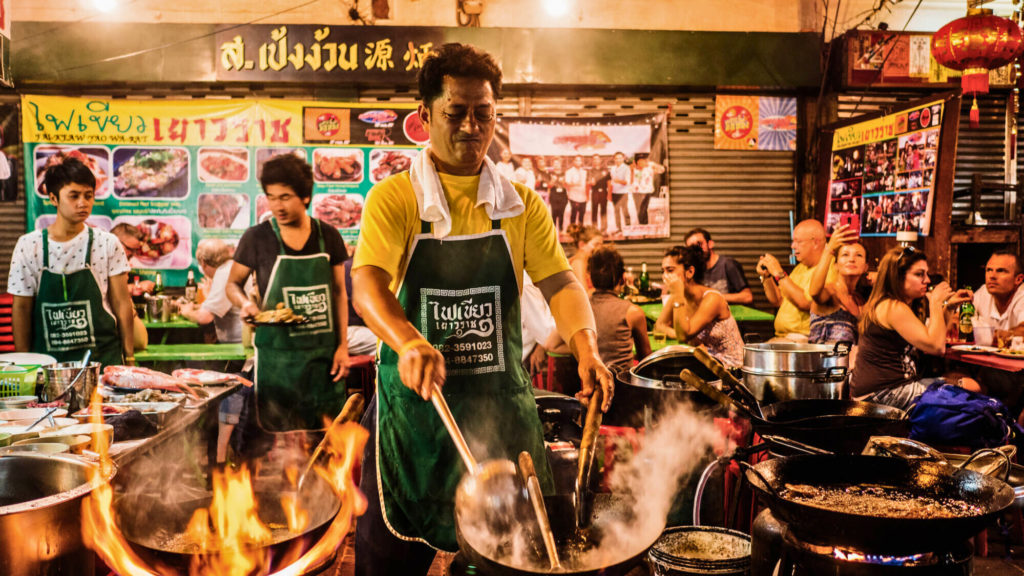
column 882, row 173
column 172, row 173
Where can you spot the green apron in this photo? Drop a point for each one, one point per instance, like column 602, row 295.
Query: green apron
column 461, row 293
column 294, row 390
column 68, row 316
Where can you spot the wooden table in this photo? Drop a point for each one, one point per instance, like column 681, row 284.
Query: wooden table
column 1012, row 365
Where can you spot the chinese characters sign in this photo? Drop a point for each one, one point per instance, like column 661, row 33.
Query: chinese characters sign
column 171, row 173
column 882, row 173
column 755, row 123
column 323, row 53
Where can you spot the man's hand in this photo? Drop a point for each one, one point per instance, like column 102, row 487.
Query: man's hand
column 340, row 364
column 537, row 360
column 420, row 366
column 249, row 310
column 769, row 264
column 592, row 370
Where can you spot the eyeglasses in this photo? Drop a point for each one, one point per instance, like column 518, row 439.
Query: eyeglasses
column 480, row 115
column 907, row 251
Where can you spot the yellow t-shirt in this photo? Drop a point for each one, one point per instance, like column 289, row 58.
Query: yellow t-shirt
column 791, row 319
column 391, row 220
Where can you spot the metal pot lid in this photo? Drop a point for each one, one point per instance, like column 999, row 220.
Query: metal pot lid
column 836, row 349
column 672, row 351
column 661, row 369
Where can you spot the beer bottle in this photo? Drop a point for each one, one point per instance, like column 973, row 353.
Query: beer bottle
column 158, row 285
column 966, row 324
column 645, row 280
column 190, row 287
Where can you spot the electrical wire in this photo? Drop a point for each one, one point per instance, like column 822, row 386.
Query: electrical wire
column 186, row 40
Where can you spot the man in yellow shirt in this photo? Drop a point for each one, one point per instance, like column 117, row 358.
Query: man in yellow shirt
column 436, row 276
column 790, row 291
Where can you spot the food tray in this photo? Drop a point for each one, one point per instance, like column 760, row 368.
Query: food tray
column 155, row 412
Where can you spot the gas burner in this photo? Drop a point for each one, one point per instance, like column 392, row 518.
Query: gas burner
column 775, row 549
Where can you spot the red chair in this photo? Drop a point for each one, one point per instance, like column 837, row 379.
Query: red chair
column 6, row 322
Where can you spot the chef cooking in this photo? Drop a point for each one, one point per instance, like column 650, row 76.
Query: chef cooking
column 436, row 276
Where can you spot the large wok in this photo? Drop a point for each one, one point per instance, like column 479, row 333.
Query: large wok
column 155, row 526
column 841, row 426
column 827, row 526
column 608, row 511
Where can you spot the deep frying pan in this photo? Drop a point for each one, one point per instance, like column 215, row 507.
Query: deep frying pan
column 872, row 532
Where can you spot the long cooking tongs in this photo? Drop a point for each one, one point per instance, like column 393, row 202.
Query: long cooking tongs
column 738, row 391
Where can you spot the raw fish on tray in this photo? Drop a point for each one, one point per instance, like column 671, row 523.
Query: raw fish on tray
column 138, row 378
column 197, row 377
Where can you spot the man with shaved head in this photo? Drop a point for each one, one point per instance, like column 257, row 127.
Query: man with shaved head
column 789, row 291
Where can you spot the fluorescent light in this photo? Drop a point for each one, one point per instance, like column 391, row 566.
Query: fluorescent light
column 104, row 5
column 557, row 8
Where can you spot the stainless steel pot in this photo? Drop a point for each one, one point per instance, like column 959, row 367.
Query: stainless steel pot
column 793, row 371
column 643, row 390
column 40, row 515
column 59, row 377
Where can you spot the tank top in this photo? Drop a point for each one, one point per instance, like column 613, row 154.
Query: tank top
column 614, row 337
column 722, row 339
column 883, row 361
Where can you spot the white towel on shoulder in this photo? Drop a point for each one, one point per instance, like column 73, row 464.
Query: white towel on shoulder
column 495, row 193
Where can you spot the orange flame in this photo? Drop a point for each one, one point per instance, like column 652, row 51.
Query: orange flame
column 230, row 532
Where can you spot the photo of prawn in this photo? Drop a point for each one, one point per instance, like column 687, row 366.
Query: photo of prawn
column 151, row 172
column 96, row 158
column 338, row 210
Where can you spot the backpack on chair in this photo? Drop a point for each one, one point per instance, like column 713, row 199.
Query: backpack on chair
column 952, row 416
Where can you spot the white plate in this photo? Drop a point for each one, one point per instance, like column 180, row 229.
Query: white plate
column 1008, row 354
column 973, row 348
column 31, row 413
column 28, row 359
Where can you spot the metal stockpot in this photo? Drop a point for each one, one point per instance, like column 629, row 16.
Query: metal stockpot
column 644, row 389
column 794, row 371
column 40, row 515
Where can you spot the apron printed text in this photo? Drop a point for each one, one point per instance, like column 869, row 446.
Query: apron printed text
column 465, row 326
column 313, row 303
column 68, row 325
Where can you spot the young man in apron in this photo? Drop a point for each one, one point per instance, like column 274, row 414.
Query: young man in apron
column 436, row 277
column 300, row 262
column 69, row 281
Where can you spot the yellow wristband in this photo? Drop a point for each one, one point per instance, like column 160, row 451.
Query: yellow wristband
column 128, row 358
column 411, row 344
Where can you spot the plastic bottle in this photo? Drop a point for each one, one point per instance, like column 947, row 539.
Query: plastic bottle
column 190, row 287
column 645, row 279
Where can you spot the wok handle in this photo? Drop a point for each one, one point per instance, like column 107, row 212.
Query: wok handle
column 591, row 429
column 453, row 429
column 985, row 451
column 747, row 467
column 708, row 390
column 537, row 499
column 728, row 379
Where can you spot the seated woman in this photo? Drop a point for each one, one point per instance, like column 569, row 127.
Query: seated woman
column 891, row 329
column 836, row 305
column 586, row 239
column 621, row 325
column 694, row 313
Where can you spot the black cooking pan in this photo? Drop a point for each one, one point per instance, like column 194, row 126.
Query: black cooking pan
column 841, row 426
column 897, row 535
column 155, row 525
column 608, row 509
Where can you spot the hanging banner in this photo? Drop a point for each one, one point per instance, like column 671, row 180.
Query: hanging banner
column 605, row 172
column 882, row 176
column 755, row 123
column 180, row 171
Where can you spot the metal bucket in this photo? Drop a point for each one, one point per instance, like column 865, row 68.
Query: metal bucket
column 793, row 371
column 700, row 550
column 40, row 515
column 59, row 377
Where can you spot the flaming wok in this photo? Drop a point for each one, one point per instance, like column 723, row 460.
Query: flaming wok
column 157, row 528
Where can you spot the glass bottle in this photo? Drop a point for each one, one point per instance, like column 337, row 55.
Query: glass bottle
column 645, row 279
column 158, row 285
column 966, row 324
column 190, row 287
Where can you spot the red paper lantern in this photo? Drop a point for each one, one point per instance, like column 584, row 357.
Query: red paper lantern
column 975, row 44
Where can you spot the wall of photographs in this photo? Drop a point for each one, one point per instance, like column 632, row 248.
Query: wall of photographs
column 882, row 174
column 172, row 173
